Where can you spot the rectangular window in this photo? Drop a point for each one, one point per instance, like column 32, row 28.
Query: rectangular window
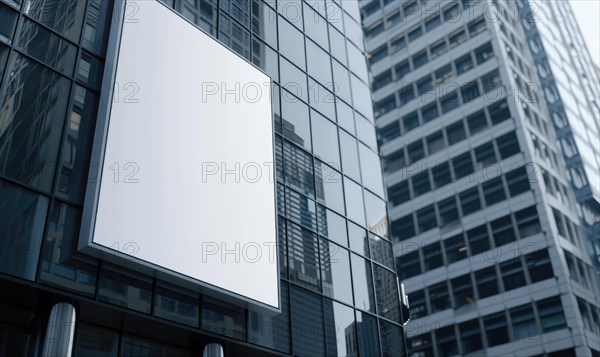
column 451, row 13
column 492, row 82
column 450, row 102
column 424, row 85
column 397, row 44
column 402, row 70
column 457, row 38
column 499, row 112
column 463, row 165
column 378, row 54
column 446, row 341
column 448, row 211
column 469, row 201
column 429, row 113
column 476, row 26
column 420, row 59
column 456, row 249
column 410, row 8
column 493, row 191
column 394, row 161
column 539, row 266
column 484, row 53
column 406, row 94
column 403, row 228
column 441, row 174
column 415, row 151
column 373, row 31
column 418, row 304
column 410, row 121
column 432, row 257
column 470, row 92
column 462, row 288
column 518, row 181
column 477, row 122
column 415, row 33
column 456, row 132
column 503, row 231
column 485, row 154
column 513, row 275
column 399, row 193
column 496, row 329
column 470, row 336
column 432, row 22
column 385, row 106
column 438, row 49
column 487, row 282
column 389, row 133
column 444, row 74
column 528, row 222
column 479, row 240
column 439, row 297
column 426, row 218
column 464, row 64
column 408, row 265
column 508, row 145
column 523, row 323
column 382, row 80
column 421, row 183
column 435, row 142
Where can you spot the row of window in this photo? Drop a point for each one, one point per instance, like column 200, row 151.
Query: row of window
column 446, row 100
column 580, row 272
column 544, row 152
column 556, row 188
column 466, row 202
column 521, row 323
column 478, row 240
column 493, row 280
column 590, row 315
column 454, row 39
column 567, row 228
column 447, row 172
column 444, row 74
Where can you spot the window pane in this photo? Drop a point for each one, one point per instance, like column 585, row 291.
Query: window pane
column 329, row 187
column 376, row 214
column 95, row 34
column 349, row 149
column 368, row 340
column 496, row 329
column 512, row 274
column 456, row 133
column 469, row 201
column 291, row 43
column 371, row 168
column 335, row 265
column 487, row 282
column 363, row 284
column 391, row 339
column 456, row 249
column 433, row 256
column 426, row 218
column 303, row 257
column 8, row 19
column 95, row 341
column 439, row 297
column 175, row 304
column 32, row 125
column 339, row 325
column 271, row 331
column 132, row 291
column 403, row 228
column 307, row 323
column 493, row 191
column 354, row 201
column 359, row 242
column 23, row 217
column 64, row 17
column 332, row 226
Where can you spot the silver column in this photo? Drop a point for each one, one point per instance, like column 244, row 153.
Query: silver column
column 213, row 350
column 60, row 331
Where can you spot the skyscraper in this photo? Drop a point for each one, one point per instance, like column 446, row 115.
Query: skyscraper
column 487, row 229
column 339, row 291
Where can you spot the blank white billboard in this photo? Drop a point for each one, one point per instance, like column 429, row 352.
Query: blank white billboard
column 186, row 183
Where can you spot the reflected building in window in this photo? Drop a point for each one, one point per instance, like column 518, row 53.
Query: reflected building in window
column 485, row 113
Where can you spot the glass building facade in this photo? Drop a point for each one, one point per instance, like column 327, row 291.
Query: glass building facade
column 339, row 290
column 487, row 230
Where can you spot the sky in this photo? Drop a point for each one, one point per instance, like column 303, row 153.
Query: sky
column 587, row 13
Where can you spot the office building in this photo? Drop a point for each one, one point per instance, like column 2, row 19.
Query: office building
column 338, row 286
column 486, row 226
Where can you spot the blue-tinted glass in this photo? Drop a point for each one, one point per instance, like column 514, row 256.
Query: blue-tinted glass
column 345, row 116
column 46, row 47
column 321, row 99
column 133, row 346
column 319, row 66
column 32, row 124
column 265, row 58
column 95, row 341
column 386, row 287
column 73, row 173
column 335, row 265
column 132, row 290
column 356, row 61
column 381, row 251
column 22, row 219
column 352, row 29
column 299, row 172
column 282, row 243
column 300, row 209
column 303, row 257
column 350, row 163
column 325, row 139
column 234, row 36
column 307, row 323
column 223, row 318
column 340, row 329
column 354, row 201
column 3, row 58
column 294, row 81
column 59, row 267
column 329, row 187
column 97, row 23
column 341, row 82
column 377, row 220
column 175, row 304
column 358, row 239
column 338, row 45
column 272, row 331
column 89, row 70
column 316, row 27
column 361, row 94
column 63, row 16
column 371, row 170
column 332, row 226
column 264, row 22
column 292, row 11
column 368, row 339
column 365, row 131
column 201, row 12
column 296, row 122
column 363, row 284
column 291, row 43
column 8, row 19
column 391, row 339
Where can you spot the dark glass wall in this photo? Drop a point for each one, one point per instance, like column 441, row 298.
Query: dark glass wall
column 339, row 292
